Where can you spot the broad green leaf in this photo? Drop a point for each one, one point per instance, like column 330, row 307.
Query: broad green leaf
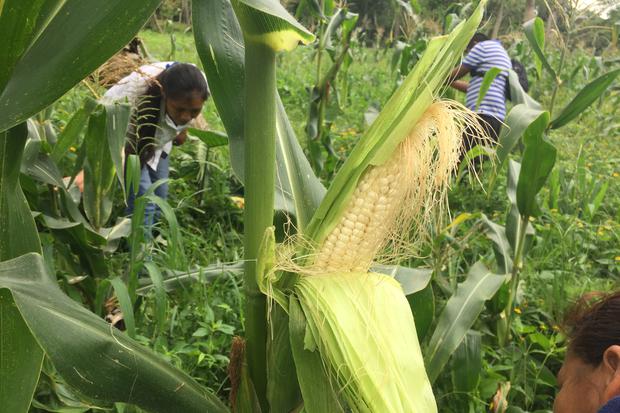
column 535, row 34
column 45, row 170
column 18, row 232
column 513, row 218
column 160, row 292
column 212, row 139
column 422, row 306
column 467, row 363
column 18, row 28
column 399, row 115
column 69, row 135
column 86, row 244
column 98, row 170
column 281, row 366
column 501, row 245
column 518, row 95
column 316, row 387
column 117, row 122
column 487, row 80
column 460, row 313
column 220, row 45
column 40, row 71
column 132, row 174
column 536, row 165
column 517, row 121
column 20, row 358
column 584, row 98
column 125, row 304
column 175, row 251
column 98, row 361
column 268, row 22
column 412, row 280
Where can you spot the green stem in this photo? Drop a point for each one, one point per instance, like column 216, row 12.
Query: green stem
column 516, row 269
column 558, row 79
column 260, row 172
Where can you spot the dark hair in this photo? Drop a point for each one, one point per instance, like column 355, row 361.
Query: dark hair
column 477, row 38
column 177, row 81
column 593, row 325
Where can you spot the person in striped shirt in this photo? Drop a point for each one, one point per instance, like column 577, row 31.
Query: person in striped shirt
column 482, row 54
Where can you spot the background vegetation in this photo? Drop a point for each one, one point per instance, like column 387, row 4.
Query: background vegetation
column 575, row 248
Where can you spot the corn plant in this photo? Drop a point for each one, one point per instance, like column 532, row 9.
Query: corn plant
column 528, row 122
column 335, row 26
column 322, row 224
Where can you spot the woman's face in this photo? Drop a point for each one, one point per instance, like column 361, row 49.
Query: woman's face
column 182, row 110
column 581, row 387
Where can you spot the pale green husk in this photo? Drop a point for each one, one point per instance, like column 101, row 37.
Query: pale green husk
column 363, row 327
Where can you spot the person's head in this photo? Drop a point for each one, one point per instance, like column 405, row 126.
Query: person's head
column 184, row 89
column 590, row 375
column 476, row 38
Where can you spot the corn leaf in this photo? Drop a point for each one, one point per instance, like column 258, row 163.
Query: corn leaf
column 412, row 280
column 467, row 363
column 536, row 165
column 584, row 98
column 98, row 361
column 316, row 387
column 98, row 170
column 403, row 110
column 20, row 358
column 117, row 122
column 69, row 135
column 518, row 95
column 36, row 71
column 212, row 139
column 513, row 219
column 501, row 245
column 535, row 34
column 160, row 293
column 18, row 233
column 459, row 315
column 517, row 121
column 487, row 81
column 268, row 22
column 219, row 42
column 86, row 244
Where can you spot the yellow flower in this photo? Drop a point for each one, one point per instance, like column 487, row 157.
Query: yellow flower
column 556, row 327
column 239, row 201
column 580, row 224
column 72, row 148
column 543, row 327
column 615, row 174
column 617, row 258
column 518, row 310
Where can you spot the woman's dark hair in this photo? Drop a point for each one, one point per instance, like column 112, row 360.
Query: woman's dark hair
column 477, row 38
column 177, row 81
column 593, row 325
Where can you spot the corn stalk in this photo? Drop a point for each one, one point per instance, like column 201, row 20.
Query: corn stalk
column 265, row 32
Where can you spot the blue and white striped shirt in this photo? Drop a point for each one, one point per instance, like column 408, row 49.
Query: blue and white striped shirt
column 481, row 58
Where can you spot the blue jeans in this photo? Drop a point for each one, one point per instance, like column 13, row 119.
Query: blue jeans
column 148, row 177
